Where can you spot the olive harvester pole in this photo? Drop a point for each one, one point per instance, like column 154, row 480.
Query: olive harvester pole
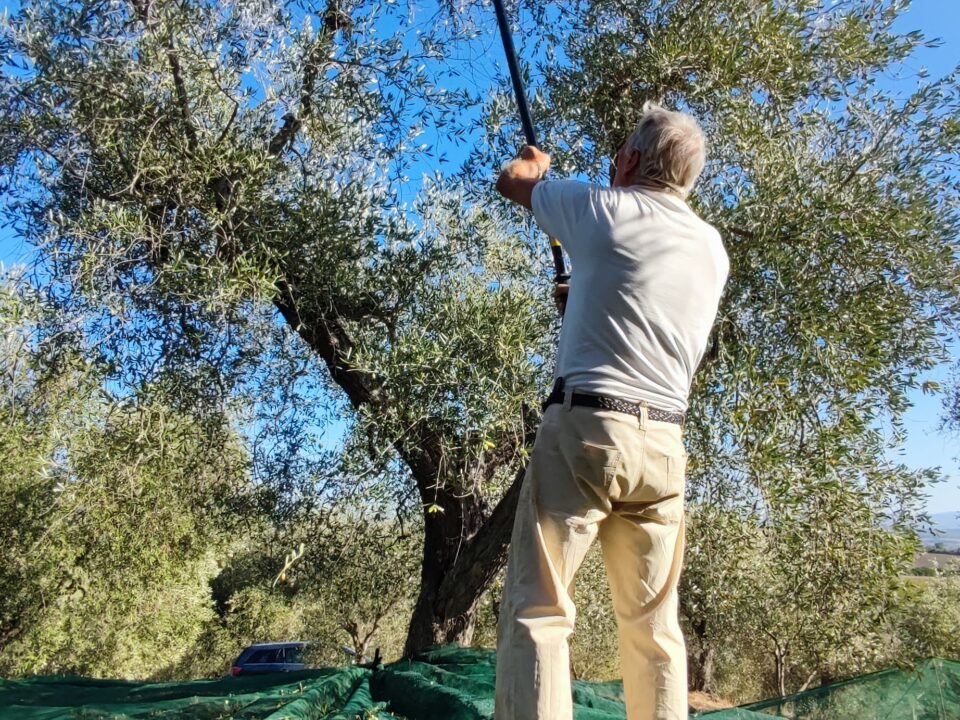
column 559, row 266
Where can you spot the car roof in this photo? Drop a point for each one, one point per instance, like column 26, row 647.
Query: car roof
column 289, row 643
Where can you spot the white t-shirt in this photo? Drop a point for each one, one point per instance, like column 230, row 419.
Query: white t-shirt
column 646, row 281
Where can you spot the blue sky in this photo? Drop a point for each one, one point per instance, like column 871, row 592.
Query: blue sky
column 926, row 446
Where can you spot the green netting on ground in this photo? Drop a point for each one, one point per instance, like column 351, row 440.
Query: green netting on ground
column 737, row 713
column 930, row 692
column 303, row 695
column 457, row 684
column 443, row 684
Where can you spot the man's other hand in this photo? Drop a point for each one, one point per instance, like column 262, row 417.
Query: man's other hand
column 560, row 292
column 520, row 176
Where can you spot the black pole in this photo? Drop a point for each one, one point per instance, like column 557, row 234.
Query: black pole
column 526, row 121
column 514, row 66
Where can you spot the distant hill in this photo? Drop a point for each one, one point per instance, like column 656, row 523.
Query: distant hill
column 947, row 526
column 936, row 561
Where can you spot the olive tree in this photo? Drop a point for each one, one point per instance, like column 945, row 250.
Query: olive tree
column 114, row 513
column 189, row 164
column 364, row 572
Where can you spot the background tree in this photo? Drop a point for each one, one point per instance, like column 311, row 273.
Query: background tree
column 113, row 512
column 823, row 615
column 135, row 545
column 345, row 581
column 723, row 578
column 928, row 619
column 365, row 575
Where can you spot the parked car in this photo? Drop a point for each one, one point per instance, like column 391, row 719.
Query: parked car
column 269, row 658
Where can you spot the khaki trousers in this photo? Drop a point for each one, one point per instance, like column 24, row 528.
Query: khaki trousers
column 595, row 472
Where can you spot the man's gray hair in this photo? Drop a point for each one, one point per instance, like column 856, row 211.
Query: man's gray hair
column 671, row 147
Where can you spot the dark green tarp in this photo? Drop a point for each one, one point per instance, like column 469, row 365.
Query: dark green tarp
column 931, row 691
column 443, row 684
column 307, row 695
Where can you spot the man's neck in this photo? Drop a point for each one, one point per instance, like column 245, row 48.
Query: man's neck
column 651, row 186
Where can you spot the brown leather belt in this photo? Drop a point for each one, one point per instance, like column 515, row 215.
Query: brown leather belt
column 602, row 402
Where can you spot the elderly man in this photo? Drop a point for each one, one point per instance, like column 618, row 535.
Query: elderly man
column 609, row 457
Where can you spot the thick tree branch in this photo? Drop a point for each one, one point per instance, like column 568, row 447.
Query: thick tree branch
column 328, row 338
column 421, row 446
column 183, row 100
column 484, row 556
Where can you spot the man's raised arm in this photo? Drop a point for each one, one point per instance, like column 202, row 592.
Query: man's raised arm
column 520, row 176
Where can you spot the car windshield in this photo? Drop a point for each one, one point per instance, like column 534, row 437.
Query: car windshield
column 266, row 655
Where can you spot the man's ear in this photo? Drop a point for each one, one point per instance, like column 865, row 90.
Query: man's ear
column 630, row 160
